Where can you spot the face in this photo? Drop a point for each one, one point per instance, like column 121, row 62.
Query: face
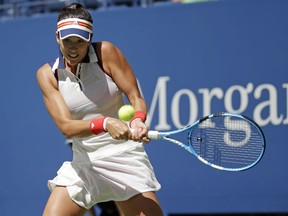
column 74, row 49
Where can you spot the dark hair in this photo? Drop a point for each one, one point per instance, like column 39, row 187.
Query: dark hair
column 75, row 10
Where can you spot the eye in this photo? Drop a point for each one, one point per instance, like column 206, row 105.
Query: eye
column 67, row 40
column 81, row 41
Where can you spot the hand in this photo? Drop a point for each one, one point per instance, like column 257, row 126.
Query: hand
column 139, row 131
column 118, row 129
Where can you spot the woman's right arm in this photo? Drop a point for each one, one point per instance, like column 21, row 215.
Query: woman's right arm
column 57, row 107
column 61, row 115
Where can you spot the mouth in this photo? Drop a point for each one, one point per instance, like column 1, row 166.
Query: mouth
column 73, row 56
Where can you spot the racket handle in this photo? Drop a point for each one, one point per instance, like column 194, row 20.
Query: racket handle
column 153, row 135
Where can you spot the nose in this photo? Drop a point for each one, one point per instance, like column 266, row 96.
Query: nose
column 72, row 46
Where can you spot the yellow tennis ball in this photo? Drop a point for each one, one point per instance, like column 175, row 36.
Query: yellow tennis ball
column 126, row 113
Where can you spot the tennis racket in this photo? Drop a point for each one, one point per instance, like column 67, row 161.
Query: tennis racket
column 224, row 141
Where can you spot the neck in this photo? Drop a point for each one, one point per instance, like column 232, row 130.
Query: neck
column 68, row 66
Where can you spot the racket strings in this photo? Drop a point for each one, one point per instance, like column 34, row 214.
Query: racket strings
column 226, row 142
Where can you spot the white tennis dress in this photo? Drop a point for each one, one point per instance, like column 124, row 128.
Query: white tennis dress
column 102, row 168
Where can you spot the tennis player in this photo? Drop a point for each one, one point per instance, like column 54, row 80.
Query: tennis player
column 83, row 90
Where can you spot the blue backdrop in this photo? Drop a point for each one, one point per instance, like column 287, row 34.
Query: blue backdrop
column 191, row 60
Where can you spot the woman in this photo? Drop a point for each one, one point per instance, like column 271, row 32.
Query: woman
column 83, row 90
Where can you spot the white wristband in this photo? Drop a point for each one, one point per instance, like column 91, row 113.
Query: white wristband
column 104, row 124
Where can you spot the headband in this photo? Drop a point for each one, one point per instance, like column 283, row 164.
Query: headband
column 75, row 27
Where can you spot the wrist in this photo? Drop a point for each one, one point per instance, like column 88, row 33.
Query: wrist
column 98, row 125
column 138, row 115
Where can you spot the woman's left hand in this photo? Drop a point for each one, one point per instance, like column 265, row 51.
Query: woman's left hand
column 139, row 131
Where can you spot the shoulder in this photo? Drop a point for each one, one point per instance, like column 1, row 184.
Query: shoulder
column 110, row 56
column 105, row 48
column 104, row 44
column 44, row 70
column 44, row 74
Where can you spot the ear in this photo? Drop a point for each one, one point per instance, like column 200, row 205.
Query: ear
column 57, row 37
column 91, row 36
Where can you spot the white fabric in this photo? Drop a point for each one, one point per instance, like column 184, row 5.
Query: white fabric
column 116, row 177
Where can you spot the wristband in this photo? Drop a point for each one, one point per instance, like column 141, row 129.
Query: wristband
column 97, row 125
column 104, row 124
column 138, row 115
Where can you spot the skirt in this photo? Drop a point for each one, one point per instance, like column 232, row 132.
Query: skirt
column 115, row 177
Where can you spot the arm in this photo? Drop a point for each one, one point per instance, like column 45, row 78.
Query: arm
column 117, row 67
column 60, row 113
column 57, row 108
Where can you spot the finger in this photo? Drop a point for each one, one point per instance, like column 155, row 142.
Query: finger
column 146, row 140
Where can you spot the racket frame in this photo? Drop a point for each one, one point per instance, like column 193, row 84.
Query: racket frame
column 156, row 135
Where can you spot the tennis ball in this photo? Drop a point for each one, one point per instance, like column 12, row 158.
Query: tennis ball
column 126, row 113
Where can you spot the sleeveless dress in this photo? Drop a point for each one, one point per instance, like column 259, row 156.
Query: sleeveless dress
column 102, row 168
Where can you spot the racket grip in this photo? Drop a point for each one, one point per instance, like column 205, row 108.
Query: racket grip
column 153, row 135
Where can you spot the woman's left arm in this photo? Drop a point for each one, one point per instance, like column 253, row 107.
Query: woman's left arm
column 118, row 68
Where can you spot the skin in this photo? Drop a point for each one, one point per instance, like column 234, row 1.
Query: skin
column 115, row 65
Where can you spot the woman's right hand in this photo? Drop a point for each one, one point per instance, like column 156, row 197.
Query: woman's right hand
column 118, row 129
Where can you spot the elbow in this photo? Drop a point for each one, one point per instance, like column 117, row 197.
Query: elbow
column 67, row 135
column 67, row 132
column 72, row 132
column 75, row 129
